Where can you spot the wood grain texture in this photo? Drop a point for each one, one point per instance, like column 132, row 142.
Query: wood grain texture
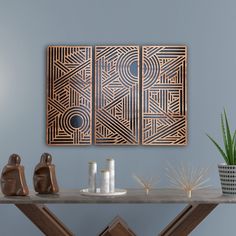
column 164, row 95
column 118, row 116
column 199, row 206
column 69, row 95
column 44, row 219
column 116, row 95
column 118, row 227
column 133, row 196
column 188, row 220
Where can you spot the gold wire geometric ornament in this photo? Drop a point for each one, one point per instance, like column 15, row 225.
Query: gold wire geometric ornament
column 69, row 95
column 164, row 95
column 117, row 95
column 147, row 184
column 188, row 178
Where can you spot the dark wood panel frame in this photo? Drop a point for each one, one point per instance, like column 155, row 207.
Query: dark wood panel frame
column 69, row 95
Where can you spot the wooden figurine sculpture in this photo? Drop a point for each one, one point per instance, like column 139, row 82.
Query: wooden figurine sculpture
column 44, row 179
column 13, row 181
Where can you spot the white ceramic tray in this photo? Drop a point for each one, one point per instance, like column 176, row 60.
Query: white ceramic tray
column 118, row 192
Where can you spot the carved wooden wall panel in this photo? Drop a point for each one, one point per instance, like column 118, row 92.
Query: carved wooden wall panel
column 117, row 114
column 164, row 109
column 69, row 95
column 117, row 95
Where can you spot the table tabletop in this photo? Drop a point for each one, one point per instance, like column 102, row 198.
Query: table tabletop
column 133, row 196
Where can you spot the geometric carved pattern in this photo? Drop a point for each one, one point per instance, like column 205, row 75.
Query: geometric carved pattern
column 117, row 95
column 117, row 88
column 164, row 100
column 69, row 95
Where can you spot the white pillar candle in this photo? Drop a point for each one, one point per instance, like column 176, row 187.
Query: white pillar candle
column 92, row 176
column 105, row 181
column 111, row 168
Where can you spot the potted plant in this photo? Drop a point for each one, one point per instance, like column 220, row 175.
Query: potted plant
column 227, row 170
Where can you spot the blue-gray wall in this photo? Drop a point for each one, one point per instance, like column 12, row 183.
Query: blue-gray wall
column 27, row 27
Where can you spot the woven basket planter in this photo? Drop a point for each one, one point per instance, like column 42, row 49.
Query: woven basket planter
column 227, row 178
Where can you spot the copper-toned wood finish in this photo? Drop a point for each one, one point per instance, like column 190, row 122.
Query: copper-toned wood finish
column 44, row 219
column 116, row 95
column 119, row 120
column 13, row 181
column 117, row 227
column 45, row 181
column 69, row 95
column 188, row 220
column 164, row 95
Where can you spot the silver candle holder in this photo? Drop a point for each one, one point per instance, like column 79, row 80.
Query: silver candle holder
column 92, row 176
column 111, row 169
column 105, row 181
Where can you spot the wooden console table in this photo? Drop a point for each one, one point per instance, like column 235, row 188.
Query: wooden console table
column 198, row 207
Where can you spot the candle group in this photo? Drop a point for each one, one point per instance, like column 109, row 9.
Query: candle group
column 107, row 177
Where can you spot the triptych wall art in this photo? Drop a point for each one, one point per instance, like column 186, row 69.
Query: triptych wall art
column 116, row 95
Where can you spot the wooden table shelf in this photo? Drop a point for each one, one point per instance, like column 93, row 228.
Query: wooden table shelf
column 198, row 207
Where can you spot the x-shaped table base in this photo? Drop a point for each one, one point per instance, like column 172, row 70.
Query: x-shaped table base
column 44, row 219
column 182, row 225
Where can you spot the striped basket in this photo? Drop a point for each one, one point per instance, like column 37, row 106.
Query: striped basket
column 227, row 178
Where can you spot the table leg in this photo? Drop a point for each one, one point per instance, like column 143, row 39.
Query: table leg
column 44, row 219
column 188, row 219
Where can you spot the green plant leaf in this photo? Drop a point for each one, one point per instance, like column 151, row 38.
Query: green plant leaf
column 224, row 135
column 229, row 150
column 234, row 147
column 229, row 139
column 219, row 149
column 234, row 136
